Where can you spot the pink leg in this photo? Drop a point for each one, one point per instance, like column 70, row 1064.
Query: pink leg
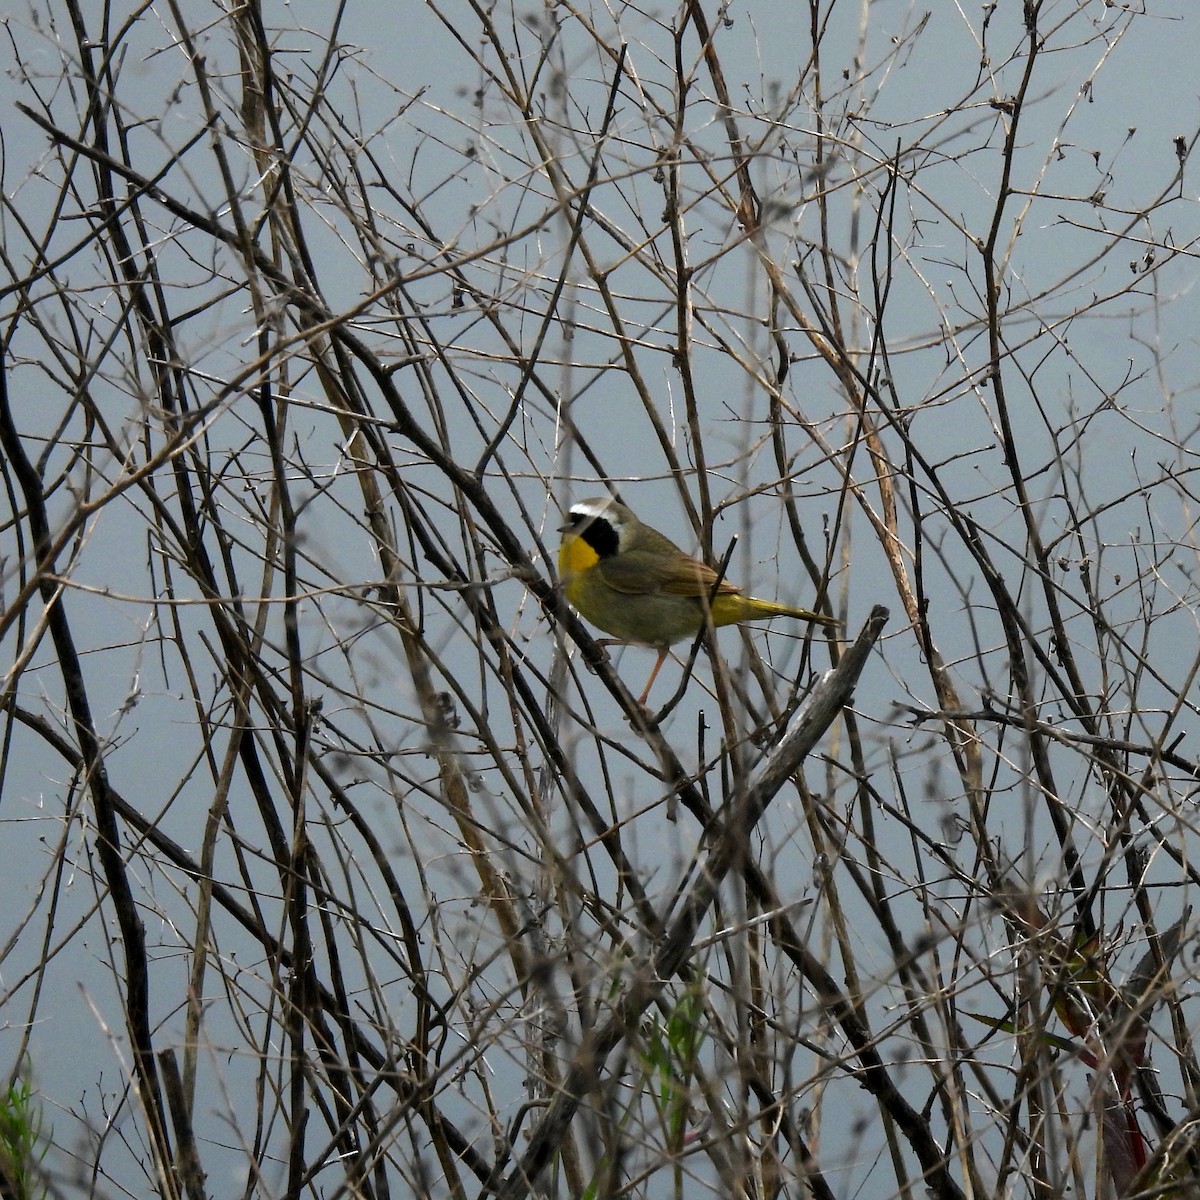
column 662, row 658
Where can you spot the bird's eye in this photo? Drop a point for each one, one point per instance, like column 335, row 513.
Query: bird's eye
column 599, row 533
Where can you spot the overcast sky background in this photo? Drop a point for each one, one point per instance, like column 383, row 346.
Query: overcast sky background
column 1121, row 380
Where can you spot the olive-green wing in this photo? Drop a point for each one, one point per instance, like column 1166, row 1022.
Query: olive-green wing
column 650, row 572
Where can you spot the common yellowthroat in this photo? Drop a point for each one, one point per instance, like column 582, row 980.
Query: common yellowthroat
column 635, row 583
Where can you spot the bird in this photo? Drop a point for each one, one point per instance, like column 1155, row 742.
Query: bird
column 634, row 583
